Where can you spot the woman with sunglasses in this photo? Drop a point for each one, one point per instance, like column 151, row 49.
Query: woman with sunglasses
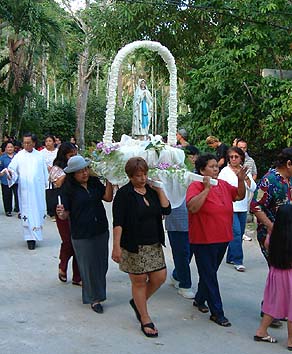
column 235, row 158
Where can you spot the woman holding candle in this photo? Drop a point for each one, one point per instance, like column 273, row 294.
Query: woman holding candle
column 82, row 199
column 56, row 178
column 210, row 230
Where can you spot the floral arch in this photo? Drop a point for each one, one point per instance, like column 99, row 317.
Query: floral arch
column 113, row 82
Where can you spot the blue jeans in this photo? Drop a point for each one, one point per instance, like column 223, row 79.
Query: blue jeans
column 235, row 253
column 208, row 259
column 180, row 247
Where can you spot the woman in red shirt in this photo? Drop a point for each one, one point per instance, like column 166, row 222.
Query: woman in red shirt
column 210, row 230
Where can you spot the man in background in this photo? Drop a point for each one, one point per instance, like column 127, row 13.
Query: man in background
column 181, row 137
column 249, row 161
column 220, row 148
column 29, row 167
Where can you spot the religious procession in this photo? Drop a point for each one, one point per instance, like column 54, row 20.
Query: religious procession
column 163, row 198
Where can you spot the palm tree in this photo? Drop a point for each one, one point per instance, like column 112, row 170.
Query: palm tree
column 30, row 24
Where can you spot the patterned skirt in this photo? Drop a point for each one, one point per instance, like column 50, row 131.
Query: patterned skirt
column 149, row 258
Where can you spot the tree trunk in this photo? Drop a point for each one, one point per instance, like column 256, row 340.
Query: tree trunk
column 97, row 80
column 44, row 74
column 19, row 75
column 82, row 98
column 81, row 112
column 55, row 89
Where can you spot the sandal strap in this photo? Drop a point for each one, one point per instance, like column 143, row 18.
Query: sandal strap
column 148, row 325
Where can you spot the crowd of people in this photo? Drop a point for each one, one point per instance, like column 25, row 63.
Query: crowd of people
column 207, row 225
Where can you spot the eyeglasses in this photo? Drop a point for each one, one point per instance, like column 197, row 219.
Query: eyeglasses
column 234, row 156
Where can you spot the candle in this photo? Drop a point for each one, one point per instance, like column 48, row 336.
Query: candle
column 59, row 200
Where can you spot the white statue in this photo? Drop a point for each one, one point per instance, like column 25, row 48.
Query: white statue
column 142, row 110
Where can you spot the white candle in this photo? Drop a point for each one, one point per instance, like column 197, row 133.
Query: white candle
column 59, row 200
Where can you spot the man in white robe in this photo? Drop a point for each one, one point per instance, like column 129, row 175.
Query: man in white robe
column 30, row 167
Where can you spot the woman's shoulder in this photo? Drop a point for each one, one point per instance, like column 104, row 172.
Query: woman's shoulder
column 225, row 172
column 2, row 157
column 195, row 185
column 125, row 191
column 93, row 182
column 223, row 182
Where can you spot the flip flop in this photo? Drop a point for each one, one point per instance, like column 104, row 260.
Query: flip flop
column 267, row 339
column 148, row 325
column 133, row 305
column 78, row 283
column 289, row 348
column 62, row 276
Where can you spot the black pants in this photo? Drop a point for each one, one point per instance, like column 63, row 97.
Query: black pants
column 208, row 259
column 7, row 194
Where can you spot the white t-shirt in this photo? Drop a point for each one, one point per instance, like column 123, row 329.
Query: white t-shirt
column 49, row 156
column 229, row 176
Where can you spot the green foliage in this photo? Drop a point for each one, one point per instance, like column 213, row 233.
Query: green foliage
column 34, row 17
column 225, row 90
column 59, row 119
column 95, row 120
column 220, row 48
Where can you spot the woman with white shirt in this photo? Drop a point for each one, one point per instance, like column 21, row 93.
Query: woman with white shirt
column 49, row 151
column 235, row 158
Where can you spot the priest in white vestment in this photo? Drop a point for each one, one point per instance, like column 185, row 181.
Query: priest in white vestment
column 30, row 168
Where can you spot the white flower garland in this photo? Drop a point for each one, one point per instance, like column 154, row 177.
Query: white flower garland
column 113, row 82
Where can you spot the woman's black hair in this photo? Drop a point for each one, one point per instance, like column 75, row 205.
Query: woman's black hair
column 280, row 248
column 61, row 159
column 284, row 156
column 202, row 161
column 49, row 136
column 191, row 150
column 238, row 151
column 6, row 143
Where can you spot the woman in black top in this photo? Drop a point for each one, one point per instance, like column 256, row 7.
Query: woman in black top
column 82, row 202
column 138, row 236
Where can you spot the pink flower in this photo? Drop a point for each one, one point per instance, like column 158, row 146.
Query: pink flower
column 107, row 150
column 100, row 145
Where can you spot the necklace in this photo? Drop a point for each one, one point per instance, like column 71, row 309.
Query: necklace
column 140, row 192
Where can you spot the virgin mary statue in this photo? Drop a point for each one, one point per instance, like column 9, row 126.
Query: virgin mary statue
column 142, row 110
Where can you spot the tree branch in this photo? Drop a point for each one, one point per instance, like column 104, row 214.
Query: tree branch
column 97, row 59
column 249, row 92
column 76, row 18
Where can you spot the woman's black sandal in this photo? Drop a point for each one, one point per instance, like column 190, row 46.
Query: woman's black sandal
column 133, row 305
column 62, row 276
column 149, row 325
